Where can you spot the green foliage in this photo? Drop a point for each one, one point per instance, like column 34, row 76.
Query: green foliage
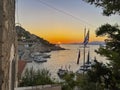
column 109, row 6
column 100, row 77
column 112, row 49
column 39, row 77
column 104, row 76
column 108, row 75
column 84, row 83
column 99, row 74
column 108, row 30
column 79, row 81
column 112, row 44
column 69, row 81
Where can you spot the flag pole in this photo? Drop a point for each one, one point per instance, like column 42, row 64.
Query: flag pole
column 84, row 51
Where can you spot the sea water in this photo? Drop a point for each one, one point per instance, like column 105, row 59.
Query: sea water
column 67, row 59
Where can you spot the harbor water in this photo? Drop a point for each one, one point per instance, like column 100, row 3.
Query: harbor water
column 67, row 59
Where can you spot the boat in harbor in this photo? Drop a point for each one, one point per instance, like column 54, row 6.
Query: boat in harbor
column 39, row 59
column 86, row 64
column 85, row 67
column 62, row 72
column 46, row 55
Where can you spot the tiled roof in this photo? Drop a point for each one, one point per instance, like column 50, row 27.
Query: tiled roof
column 21, row 66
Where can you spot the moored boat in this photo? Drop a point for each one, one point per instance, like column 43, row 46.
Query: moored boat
column 39, row 59
column 62, row 72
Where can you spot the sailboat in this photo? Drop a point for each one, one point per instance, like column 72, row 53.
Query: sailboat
column 88, row 62
column 86, row 65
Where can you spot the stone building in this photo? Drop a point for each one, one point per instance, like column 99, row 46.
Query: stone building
column 8, row 45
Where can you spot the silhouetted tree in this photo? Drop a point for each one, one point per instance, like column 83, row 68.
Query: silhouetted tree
column 112, row 49
column 103, row 76
column 109, row 6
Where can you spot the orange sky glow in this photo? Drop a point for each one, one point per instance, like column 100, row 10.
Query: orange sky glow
column 65, row 35
column 62, row 21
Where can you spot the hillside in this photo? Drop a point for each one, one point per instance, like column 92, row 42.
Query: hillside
column 97, row 43
column 25, row 37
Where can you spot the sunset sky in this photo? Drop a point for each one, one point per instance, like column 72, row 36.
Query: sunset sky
column 61, row 20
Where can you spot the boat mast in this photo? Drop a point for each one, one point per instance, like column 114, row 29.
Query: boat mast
column 84, row 50
column 78, row 57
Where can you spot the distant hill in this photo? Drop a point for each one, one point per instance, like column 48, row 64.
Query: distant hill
column 97, row 43
column 91, row 43
column 26, row 36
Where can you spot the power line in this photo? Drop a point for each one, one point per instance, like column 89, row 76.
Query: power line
column 66, row 13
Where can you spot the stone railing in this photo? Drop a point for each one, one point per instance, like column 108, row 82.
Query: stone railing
column 41, row 87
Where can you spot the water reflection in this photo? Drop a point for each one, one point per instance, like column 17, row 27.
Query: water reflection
column 66, row 58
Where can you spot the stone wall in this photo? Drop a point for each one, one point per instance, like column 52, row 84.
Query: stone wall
column 8, row 44
column 42, row 87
